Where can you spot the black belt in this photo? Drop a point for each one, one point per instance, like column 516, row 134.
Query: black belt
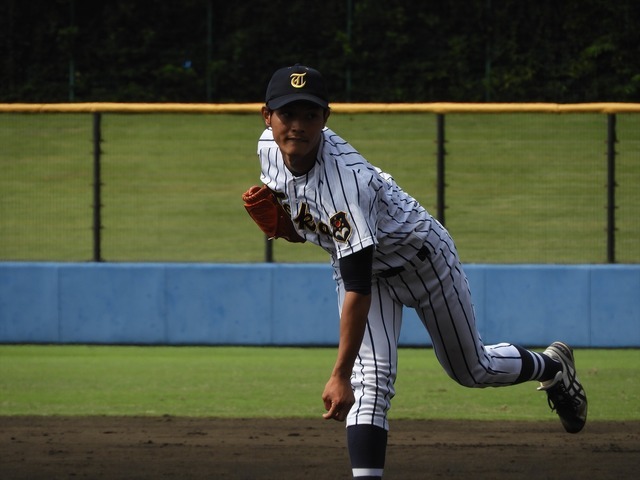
column 422, row 254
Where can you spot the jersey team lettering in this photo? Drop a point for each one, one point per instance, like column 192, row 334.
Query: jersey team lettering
column 339, row 228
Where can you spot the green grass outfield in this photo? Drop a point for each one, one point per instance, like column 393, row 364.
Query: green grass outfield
column 521, row 188
column 276, row 382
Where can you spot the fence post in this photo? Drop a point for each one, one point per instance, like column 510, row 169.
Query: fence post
column 440, row 184
column 611, row 187
column 268, row 250
column 97, row 188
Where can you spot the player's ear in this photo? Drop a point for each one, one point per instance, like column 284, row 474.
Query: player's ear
column 266, row 115
column 327, row 112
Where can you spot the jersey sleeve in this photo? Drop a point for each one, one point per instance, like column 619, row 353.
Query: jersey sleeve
column 349, row 188
column 266, row 140
column 355, row 222
column 272, row 169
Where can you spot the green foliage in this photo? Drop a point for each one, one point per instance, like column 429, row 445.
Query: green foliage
column 393, row 51
column 275, row 382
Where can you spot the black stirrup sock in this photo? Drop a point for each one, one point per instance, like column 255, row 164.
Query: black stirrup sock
column 367, row 449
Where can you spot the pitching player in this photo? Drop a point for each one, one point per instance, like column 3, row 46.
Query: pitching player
column 387, row 251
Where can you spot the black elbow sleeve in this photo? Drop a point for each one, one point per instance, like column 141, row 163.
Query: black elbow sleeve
column 355, row 270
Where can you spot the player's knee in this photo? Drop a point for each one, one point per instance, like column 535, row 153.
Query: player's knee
column 467, row 381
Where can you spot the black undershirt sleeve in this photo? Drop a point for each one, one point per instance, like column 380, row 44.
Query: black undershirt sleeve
column 356, row 271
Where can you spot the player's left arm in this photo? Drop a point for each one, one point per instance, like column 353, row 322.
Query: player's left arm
column 265, row 209
column 355, row 270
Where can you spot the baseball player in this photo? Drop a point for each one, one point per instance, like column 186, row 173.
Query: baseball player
column 387, row 251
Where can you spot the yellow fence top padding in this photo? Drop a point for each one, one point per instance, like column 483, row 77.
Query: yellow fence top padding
column 131, row 107
column 217, row 108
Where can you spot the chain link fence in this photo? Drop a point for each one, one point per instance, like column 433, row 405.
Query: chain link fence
column 143, row 184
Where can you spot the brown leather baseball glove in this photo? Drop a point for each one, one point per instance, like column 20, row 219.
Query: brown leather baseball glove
column 263, row 207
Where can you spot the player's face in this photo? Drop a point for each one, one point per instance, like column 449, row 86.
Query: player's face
column 297, row 128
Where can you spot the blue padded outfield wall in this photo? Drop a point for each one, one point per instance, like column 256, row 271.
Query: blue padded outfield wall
column 295, row 304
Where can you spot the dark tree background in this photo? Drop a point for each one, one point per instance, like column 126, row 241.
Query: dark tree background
column 391, row 51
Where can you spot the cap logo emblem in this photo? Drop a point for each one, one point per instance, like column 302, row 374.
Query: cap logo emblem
column 298, row 80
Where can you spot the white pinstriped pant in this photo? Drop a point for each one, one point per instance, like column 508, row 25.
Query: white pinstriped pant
column 437, row 289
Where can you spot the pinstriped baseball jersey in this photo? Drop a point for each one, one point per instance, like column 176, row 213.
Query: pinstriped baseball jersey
column 344, row 204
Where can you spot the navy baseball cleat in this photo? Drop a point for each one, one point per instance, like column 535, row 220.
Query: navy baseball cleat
column 564, row 392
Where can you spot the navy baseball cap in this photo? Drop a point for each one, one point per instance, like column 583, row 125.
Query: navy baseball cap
column 291, row 84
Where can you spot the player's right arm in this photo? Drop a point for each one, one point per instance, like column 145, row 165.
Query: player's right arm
column 338, row 393
column 355, row 270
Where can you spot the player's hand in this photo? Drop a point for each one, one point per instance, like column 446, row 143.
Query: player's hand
column 338, row 398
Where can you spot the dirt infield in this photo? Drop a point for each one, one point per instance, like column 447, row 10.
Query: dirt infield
column 197, row 448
